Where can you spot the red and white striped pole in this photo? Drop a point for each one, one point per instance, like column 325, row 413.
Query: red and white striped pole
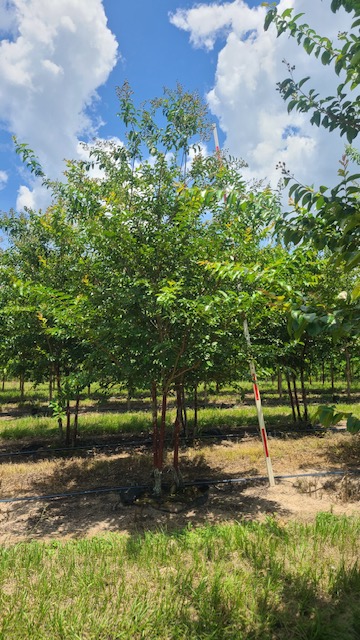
column 259, row 410
column 257, row 397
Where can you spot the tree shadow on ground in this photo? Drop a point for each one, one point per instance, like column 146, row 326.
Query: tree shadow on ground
column 96, row 513
column 346, row 452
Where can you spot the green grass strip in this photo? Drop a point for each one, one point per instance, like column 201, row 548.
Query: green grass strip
column 253, row 581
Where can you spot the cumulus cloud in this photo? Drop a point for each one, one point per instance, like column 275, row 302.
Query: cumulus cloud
column 252, row 114
column 59, row 53
column 34, row 197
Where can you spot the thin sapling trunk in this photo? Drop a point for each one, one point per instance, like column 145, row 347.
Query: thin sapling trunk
column 296, row 399
column 291, row 397
column 195, row 429
column 76, row 420
column 177, row 475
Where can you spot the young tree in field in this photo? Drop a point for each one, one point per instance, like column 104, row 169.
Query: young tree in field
column 137, row 293
column 41, row 281
column 327, row 218
column 159, row 219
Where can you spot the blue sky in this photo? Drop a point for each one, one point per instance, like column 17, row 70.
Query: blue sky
column 154, row 53
column 60, row 61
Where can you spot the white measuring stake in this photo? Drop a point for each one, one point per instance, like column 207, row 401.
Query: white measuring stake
column 259, row 410
column 257, row 397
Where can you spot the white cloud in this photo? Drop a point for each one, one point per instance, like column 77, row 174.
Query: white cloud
column 36, row 197
column 62, row 51
column 251, row 113
column 25, row 198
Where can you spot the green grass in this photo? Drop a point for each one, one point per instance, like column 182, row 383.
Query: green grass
column 140, row 421
column 113, row 421
column 253, row 581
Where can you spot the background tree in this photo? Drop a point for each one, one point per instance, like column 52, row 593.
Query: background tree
column 327, row 217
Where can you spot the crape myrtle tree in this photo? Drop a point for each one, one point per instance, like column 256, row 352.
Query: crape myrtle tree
column 160, row 219
column 18, row 329
column 306, row 305
column 136, row 296
column 41, row 280
column 328, row 218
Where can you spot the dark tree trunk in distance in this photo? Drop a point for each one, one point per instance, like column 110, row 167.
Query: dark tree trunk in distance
column 291, row 397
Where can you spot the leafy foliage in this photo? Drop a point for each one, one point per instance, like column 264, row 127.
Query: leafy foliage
column 327, row 217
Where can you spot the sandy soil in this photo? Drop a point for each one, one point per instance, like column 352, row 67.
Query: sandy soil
column 90, row 515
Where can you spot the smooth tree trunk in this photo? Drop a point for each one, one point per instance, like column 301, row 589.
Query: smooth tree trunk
column 184, row 420
column 68, row 424
column 195, row 428
column 297, row 405
column 59, row 394
column 51, row 384
column 22, row 387
column 76, row 420
column 177, row 475
column 279, row 383
column 302, row 383
column 155, row 424
column 304, row 395
column 160, row 448
column 348, row 373
column 291, row 397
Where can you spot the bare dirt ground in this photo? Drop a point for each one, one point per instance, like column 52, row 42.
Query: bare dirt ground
column 94, row 514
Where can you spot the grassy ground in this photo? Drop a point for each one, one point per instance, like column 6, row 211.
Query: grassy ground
column 258, row 581
column 102, row 423
column 258, row 578
column 109, row 420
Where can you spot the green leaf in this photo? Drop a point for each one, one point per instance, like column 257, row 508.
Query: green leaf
column 316, row 118
column 326, row 57
column 269, row 19
column 328, row 416
column 355, row 294
column 300, row 84
column 353, row 424
column 320, row 202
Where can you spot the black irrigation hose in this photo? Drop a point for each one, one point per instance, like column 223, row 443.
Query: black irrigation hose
column 73, row 450
column 148, row 441
column 62, row 496
column 195, row 483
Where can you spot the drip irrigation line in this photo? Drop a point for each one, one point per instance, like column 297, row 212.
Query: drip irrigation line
column 195, row 483
column 63, row 496
column 73, row 450
column 148, row 441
